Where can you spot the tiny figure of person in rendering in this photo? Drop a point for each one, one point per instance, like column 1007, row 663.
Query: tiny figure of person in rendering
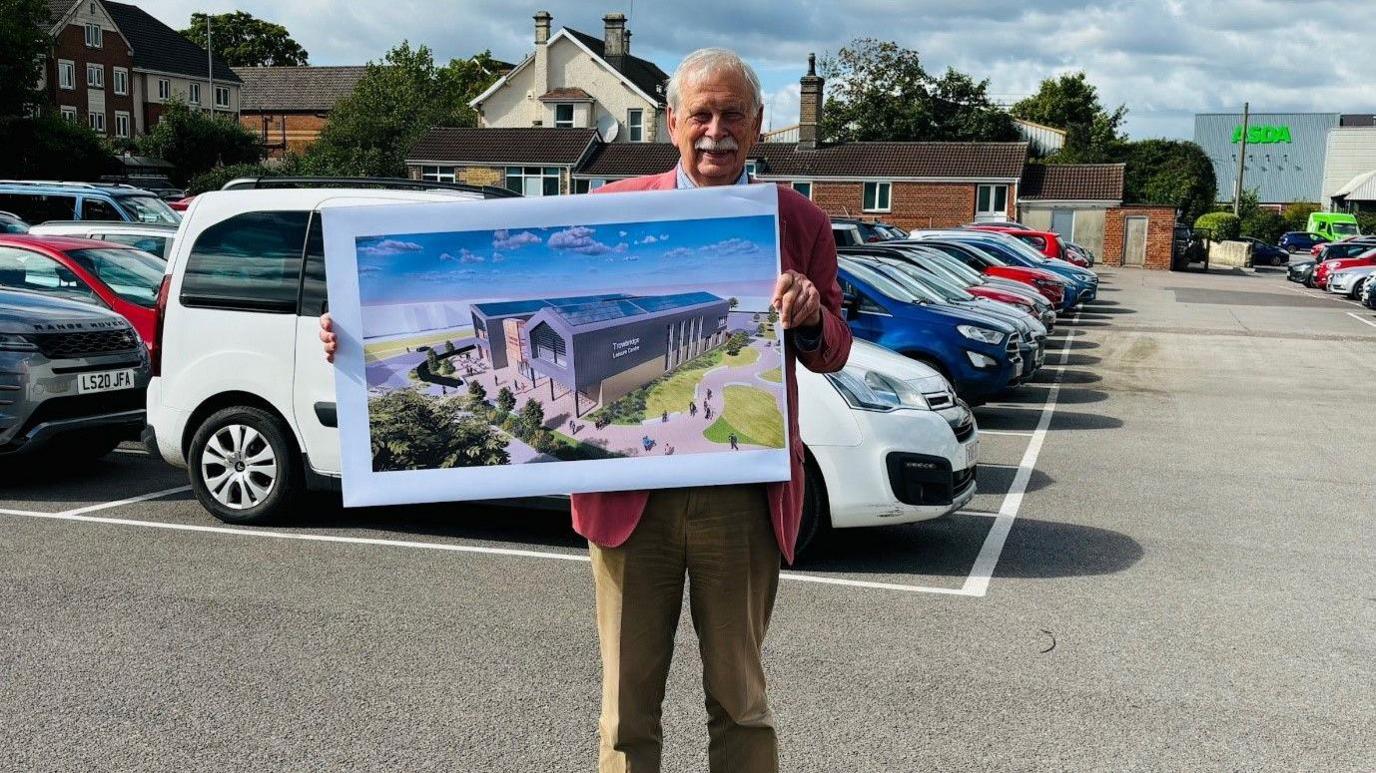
column 709, row 394
column 692, row 408
column 664, row 417
column 735, row 441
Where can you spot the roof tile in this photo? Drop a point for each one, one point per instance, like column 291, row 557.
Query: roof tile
column 304, row 89
column 534, row 146
column 1073, row 182
column 159, row 47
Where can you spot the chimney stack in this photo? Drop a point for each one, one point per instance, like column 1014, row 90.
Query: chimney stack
column 809, row 106
column 542, row 22
column 626, row 47
column 614, row 35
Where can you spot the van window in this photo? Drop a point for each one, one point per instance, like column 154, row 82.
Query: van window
column 97, row 209
column 250, row 262
column 37, row 208
column 26, row 270
column 313, row 295
column 153, row 245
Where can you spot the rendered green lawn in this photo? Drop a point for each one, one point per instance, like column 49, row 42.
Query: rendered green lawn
column 773, row 374
column 753, row 415
column 746, row 356
column 673, row 393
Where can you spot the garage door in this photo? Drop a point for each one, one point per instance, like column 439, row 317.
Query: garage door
column 1135, row 244
column 1063, row 222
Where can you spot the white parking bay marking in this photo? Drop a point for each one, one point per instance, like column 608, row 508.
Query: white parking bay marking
column 19, row 512
column 1361, row 319
column 1004, row 432
column 977, row 584
column 130, row 501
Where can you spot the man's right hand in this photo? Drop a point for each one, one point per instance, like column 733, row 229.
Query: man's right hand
column 327, row 336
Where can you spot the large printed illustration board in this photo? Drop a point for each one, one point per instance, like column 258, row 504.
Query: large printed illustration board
column 528, row 347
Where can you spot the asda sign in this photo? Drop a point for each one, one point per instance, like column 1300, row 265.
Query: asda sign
column 1262, row 135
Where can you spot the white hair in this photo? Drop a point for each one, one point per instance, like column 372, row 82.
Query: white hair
column 706, row 62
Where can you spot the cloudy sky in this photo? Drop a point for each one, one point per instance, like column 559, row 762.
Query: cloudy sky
column 1165, row 59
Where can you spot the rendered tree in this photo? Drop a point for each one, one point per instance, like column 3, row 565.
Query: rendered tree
column 410, row 432
column 506, row 401
column 533, row 416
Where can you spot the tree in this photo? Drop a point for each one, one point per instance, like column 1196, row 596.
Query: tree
column 432, row 360
column 243, row 40
column 1297, row 215
column 195, row 142
column 533, row 416
column 446, row 368
column 1071, row 102
column 733, row 302
column 24, row 45
column 880, row 91
column 477, row 395
column 397, row 100
column 448, row 347
column 773, row 315
column 50, row 147
column 1175, row 173
column 412, row 432
column 506, row 401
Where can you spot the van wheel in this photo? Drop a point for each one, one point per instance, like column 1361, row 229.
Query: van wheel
column 244, row 467
column 816, row 517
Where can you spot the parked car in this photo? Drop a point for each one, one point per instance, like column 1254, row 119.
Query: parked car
column 1300, row 241
column 180, row 205
column 1325, row 269
column 846, row 235
column 149, row 237
column 122, row 279
column 979, row 355
column 1351, row 281
column 1003, row 223
column 39, row 201
column 1302, row 271
column 1051, row 287
column 238, row 351
column 870, row 231
column 1085, row 253
column 11, row 223
column 1048, row 243
column 1343, row 249
column 1082, row 284
column 1264, row 254
column 1368, row 296
column 72, row 377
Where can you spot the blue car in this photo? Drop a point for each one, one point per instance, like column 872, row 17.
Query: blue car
column 1264, row 254
column 977, row 353
column 1083, row 285
column 39, row 202
column 1300, row 241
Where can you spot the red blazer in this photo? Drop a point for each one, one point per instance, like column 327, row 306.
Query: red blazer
column 807, row 246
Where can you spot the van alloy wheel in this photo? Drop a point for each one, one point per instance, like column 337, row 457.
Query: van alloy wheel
column 239, row 467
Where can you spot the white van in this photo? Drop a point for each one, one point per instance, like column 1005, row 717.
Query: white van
column 242, row 396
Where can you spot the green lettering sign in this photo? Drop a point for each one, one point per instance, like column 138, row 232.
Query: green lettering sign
column 1262, row 135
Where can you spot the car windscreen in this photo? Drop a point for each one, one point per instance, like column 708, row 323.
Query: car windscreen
column 878, row 281
column 149, row 209
column 1344, row 229
column 941, row 262
column 915, row 287
column 995, row 250
column 130, row 274
column 149, row 243
column 938, row 284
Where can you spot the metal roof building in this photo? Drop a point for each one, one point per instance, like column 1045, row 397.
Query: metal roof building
column 1285, row 153
column 600, row 346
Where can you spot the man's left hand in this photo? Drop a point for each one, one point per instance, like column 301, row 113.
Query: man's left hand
column 797, row 301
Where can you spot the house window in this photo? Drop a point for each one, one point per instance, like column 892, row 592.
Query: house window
column 635, row 125
column 193, row 94
column 95, row 76
column 69, row 113
column 121, row 124
column 563, row 116
column 66, row 74
column 587, row 186
column 877, row 197
column 991, row 201
column 164, row 89
column 222, row 96
column 120, row 76
column 437, row 174
column 94, row 36
column 97, row 120
column 533, row 180
column 804, row 187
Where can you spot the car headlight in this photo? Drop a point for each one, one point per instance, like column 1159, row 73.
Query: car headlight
column 12, row 342
column 982, row 334
column 870, row 390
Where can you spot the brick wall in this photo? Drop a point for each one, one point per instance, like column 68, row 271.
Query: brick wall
column 1160, row 235
column 70, row 44
column 294, row 132
column 914, row 205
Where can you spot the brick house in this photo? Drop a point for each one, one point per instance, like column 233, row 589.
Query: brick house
column 288, row 107
column 577, row 81
column 530, row 161
column 116, row 67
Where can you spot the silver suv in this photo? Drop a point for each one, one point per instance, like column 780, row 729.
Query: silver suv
column 72, row 377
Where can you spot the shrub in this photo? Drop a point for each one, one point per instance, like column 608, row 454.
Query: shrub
column 52, row 148
column 216, row 178
column 1264, row 224
column 1297, row 214
column 196, row 143
column 1367, row 222
column 1219, row 226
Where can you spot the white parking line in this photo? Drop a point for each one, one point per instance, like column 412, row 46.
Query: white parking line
column 19, row 512
column 1361, row 319
column 130, row 501
column 1009, row 433
column 977, row 584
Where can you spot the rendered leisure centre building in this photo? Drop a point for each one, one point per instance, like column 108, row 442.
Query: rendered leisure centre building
column 599, row 347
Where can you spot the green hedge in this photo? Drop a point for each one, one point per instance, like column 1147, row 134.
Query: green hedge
column 1264, row 224
column 1219, row 226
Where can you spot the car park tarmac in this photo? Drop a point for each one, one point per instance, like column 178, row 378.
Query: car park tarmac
column 1169, row 564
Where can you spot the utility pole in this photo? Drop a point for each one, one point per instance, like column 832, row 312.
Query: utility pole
column 209, row 65
column 1241, row 163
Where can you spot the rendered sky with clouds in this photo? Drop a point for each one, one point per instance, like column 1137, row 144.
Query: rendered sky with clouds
column 1166, row 59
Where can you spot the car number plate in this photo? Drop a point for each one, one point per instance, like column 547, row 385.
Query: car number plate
column 105, row 381
column 972, row 454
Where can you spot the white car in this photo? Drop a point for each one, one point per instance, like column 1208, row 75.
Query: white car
column 239, row 375
column 152, row 238
column 1350, row 281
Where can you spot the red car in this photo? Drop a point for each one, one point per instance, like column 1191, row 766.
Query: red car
column 181, row 204
column 1051, row 286
column 1322, row 271
column 1047, row 243
column 119, row 278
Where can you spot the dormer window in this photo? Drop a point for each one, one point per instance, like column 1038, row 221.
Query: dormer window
column 563, row 116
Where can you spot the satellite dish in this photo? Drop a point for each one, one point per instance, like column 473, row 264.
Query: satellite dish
column 608, row 127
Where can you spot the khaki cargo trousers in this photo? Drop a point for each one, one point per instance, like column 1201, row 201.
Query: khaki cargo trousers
column 721, row 539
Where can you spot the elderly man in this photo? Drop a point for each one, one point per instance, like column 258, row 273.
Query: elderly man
column 727, row 540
